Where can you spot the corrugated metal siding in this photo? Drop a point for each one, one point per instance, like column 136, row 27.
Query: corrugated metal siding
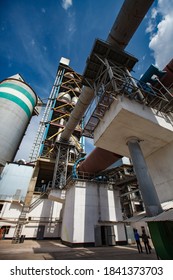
column 165, row 216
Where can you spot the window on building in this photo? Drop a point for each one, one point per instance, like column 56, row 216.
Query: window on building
column 1, row 206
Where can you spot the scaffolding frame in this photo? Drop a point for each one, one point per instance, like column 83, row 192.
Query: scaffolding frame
column 46, row 117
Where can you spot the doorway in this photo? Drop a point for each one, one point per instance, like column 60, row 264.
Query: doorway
column 40, row 232
column 105, row 236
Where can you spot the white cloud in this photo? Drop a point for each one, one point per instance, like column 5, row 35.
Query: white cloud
column 161, row 33
column 154, row 13
column 150, row 27
column 66, row 4
column 70, row 29
column 71, row 23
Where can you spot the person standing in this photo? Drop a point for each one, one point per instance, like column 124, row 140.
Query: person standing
column 138, row 242
column 145, row 239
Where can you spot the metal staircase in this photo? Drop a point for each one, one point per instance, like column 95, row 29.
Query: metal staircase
column 22, row 218
column 21, row 221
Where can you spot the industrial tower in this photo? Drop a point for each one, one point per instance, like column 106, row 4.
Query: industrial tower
column 47, row 146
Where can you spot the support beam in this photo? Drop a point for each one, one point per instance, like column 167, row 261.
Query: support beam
column 146, row 186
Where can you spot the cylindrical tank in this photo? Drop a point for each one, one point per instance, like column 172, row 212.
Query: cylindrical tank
column 69, row 75
column 62, row 122
column 17, row 102
column 64, row 96
column 77, row 89
column 74, row 100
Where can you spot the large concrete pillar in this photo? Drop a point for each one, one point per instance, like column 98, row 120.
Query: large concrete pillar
column 146, row 186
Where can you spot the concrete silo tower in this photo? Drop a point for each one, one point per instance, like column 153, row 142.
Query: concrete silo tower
column 17, row 103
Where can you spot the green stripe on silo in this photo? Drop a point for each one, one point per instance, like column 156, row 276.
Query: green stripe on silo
column 16, row 100
column 21, row 89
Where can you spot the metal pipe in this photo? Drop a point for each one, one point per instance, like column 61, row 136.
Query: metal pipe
column 98, row 160
column 82, row 104
column 127, row 21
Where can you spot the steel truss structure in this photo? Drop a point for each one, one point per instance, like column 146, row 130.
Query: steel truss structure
column 46, row 116
column 111, row 79
column 61, row 165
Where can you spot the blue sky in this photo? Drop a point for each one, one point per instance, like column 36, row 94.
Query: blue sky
column 35, row 34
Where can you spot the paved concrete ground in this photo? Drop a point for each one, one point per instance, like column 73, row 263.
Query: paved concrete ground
column 54, row 250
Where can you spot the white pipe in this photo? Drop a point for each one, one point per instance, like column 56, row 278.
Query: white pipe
column 82, row 104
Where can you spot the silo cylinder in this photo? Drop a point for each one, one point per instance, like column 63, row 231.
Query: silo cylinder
column 17, row 102
column 74, row 100
column 69, row 75
column 64, row 96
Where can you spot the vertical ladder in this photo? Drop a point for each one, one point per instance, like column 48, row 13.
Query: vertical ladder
column 40, row 133
column 20, row 224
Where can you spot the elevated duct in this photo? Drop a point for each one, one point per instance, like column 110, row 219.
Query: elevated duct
column 127, row 22
column 82, row 104
column 98, row 160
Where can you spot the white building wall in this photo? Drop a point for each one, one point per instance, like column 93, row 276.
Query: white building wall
column 11, row 210
column 46, row 208
column 160, row 166
column 86, row 212
column 68, row 216
column 52, row 230
column 46, row 213
column 105, row 199
column 87, row 204
column 79, row 214
column 119, row 229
